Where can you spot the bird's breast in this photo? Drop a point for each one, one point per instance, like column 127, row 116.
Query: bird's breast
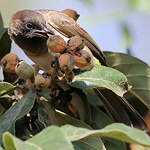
column 43, row 61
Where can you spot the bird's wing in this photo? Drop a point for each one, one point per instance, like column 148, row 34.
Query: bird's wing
column 68, row 27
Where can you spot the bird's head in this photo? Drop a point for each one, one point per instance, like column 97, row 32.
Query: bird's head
column 28, row 24
column 28, row 27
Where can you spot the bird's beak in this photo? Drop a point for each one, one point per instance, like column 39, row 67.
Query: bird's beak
column 44, row 32
column 48, row 31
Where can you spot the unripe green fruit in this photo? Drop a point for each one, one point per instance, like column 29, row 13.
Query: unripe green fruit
column 24, row 70
column 42, row 81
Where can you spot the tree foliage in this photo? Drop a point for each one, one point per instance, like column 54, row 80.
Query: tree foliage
column 78, row 116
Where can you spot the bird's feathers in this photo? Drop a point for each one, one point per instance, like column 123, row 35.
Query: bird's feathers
column 68, row 27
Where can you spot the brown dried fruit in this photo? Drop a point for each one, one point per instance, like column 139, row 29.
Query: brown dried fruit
column 71, row 13
column 66, row 62
column 42, row 81
column 75, row 43
column 83, row 59
column 69, row 76
column 9, row 62
column 56, row 44
column 24, row 70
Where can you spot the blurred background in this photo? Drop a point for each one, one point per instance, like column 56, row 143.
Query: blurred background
column 116, row 25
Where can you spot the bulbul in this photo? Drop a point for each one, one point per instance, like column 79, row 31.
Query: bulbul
column 71, row 13
column 30, row 31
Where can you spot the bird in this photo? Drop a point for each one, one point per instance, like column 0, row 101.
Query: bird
column 30, row 30
column 71, row 13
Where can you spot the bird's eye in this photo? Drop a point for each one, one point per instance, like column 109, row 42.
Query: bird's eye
column 29, row 26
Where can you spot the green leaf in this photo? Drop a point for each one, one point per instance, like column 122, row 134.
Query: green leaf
column 1, row 148
column 51, row 138
column 24, row 132
column 17, row 111
column 46, row 113
column 12, row 128
column 100, row 120
column 102, row 77
column 116, row 131
column 6, row 101
column 5, row 96
column 78, row 103
column 13, row 143
column 2, row 109
column 5, row 42
column 5, row 87
column 112, row 144
column 1, row 21
column 93, row 99
column 88, row 143
column 66, row 119
column 137, row 73
column 2, row 32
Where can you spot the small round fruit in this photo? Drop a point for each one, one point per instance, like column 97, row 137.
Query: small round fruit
column 83, row 59
column 75, row 43
column 24, row 70
column 56, row 44
column 9, row 62
column 66, row 62
column 42, row 81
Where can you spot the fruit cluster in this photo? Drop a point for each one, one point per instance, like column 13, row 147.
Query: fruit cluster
column 73, row 54
column 11, row 64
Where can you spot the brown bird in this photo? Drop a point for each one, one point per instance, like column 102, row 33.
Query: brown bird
column 30, row 31
column 71, row 13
